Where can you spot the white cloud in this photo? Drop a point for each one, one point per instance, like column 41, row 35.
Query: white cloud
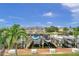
column 73, row 23
column 74, row 8
column 59, row 26
column 50, row 23
column 2, row 20
column 15, row 17
column 70, row 5
column 49, row 14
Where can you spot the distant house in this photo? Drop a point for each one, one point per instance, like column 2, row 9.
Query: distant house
column 61, row 30
column 32, row 30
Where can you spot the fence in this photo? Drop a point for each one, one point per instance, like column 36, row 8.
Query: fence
column 42, row 51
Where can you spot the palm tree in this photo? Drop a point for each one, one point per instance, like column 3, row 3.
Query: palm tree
column 3, row 39
column 15, row 32
column 65, row 30
column 76, row 33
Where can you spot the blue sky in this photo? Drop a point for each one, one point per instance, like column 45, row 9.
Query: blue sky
column 39, row 14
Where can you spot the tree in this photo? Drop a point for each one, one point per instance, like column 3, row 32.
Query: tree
column 15, row 32
column 65, row 29
column 3, row 39
column 9, row 37
column 51, row 29
column 76, row 31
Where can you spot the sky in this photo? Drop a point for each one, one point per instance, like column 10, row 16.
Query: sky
column 39, row 14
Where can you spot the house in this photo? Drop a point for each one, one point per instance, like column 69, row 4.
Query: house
column 32, row 30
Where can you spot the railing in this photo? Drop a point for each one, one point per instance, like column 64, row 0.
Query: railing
column 28, row 43
column 54, row 42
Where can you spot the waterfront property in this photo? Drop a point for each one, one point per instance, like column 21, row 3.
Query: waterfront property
column 17, row 37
